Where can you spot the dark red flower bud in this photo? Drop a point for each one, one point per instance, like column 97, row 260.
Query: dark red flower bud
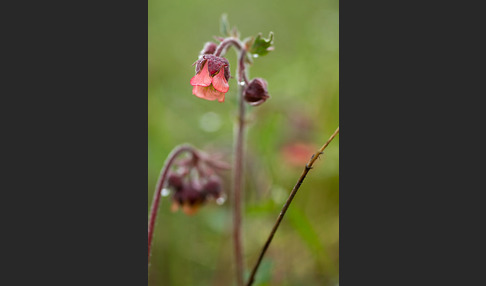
column 256, row 92
column 174, row 180
column 193, row 196
column 213, row 187
column 178, row 197
column 189, row 198
column 209, row 48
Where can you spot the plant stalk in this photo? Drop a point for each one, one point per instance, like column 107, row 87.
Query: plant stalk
column 238, row 171
column 238, row 152
column 160, row 184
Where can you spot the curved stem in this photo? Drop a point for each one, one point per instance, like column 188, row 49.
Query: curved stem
column 160, row 183
column 226, row 43
column 242, row 77
column 308, row 166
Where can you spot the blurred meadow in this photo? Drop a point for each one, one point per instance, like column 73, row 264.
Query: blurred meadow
column 303, row 111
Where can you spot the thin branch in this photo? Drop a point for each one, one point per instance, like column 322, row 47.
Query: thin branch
column 308, row 166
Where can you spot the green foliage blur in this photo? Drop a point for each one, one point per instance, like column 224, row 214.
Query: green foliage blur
column 303, row 111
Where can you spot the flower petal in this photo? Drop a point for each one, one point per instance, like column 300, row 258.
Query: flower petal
column 190, row 209
column 202, row 78
column 203, row 92
column 220, row 83
column 208, row 93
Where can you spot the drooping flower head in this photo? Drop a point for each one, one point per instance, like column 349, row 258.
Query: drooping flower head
column 194, row 182
column 211, row 79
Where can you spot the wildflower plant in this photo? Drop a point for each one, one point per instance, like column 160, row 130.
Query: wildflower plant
column 211, row 83
column 195, row 180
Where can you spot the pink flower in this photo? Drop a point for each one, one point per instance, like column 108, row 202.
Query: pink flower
column 211, row 81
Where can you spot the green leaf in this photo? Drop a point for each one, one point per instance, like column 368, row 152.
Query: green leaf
column 262, row 46
column 224, row 26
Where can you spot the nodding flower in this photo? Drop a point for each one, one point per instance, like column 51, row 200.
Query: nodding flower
column 191, row 195
column 211, row 79
column 193, row 183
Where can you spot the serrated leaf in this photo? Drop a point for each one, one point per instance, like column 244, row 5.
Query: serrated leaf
column 262, row 46
column 224, row 26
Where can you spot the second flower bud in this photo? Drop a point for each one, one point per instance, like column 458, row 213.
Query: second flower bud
column 256, row 92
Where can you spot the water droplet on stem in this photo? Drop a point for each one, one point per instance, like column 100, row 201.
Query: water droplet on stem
column 165, row 192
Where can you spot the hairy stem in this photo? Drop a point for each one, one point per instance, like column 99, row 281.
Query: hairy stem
column 238, row 172
column 238, row 152
column 308, row 166
column 225, row 44
column 160, row 184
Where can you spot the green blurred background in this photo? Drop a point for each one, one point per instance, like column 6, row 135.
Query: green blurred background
column 303, row 111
